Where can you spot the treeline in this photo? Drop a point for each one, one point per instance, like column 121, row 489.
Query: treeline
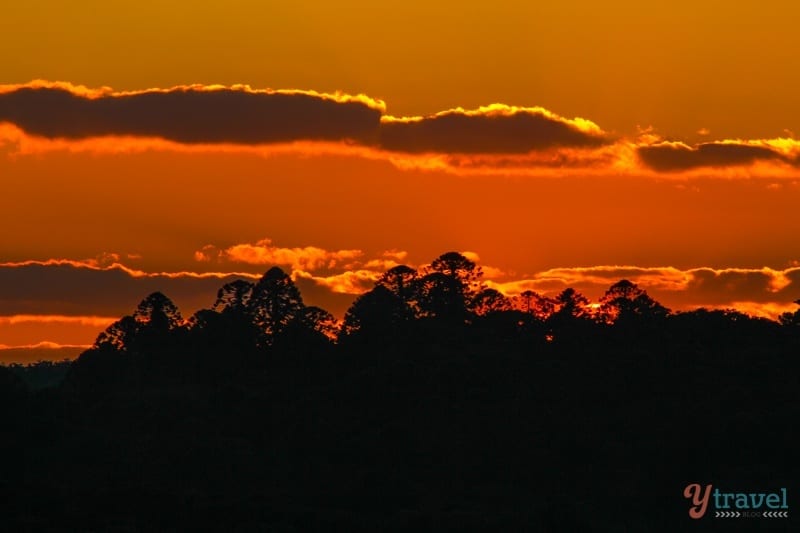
column 436, row 404
column 445, row 300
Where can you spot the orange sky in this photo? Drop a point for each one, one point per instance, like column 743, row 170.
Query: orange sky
column 100, row 205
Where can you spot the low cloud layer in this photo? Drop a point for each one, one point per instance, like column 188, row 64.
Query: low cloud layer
column 495, row 129
column 191, row 114
column 671, row 157
column 61, row 302
column 745, row 288
column 88, row 293
column 348, row 271
column 42, row 351
column 496, row 139
column 75, row 288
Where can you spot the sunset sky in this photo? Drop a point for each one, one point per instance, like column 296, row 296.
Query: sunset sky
column 174, row 146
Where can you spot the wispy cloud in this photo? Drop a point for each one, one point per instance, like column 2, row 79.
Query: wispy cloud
column 98, row 265
column 346, row 271
column 264, row 252
column 39, row 351
column 45, row 345
column 70, row 287
column 93, row 321
column 349, row 282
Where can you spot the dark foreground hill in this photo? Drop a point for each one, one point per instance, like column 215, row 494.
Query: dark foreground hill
column 449, row 420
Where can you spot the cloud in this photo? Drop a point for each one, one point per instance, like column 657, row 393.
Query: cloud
column 396, row 255
column 193, row 114
column 85, row 291
column 764, row 291
column 557, row 279
column 770, row 310
column 675, row 156
column 101, row 265
column 264, row 252
column 68, row 302
column 46, row 345
column 715, row 285
column 40, row 351
column 354, row 272
column 93, row 321
column 493, row 129
column 345, row 271
column 497, row 139
column 769, row 290
column 190, row 113
column 349, row 282
column 81, row 288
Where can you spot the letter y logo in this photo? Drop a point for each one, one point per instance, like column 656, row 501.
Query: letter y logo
column 699, row 503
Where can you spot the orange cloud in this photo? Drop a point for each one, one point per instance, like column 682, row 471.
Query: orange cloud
column 94, row 321
column 39, row 351
column 264, row 253
column 762, row 291
column 380, row 264
column 346, row 271
column 397, row 255
column 770, row 310
column 350, row 282
column 662, row 278
column 99, row 265
column 45, row 345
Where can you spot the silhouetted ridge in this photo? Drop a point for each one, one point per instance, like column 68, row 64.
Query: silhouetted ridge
column 438, row 403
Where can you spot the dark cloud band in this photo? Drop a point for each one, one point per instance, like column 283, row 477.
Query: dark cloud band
column 473, row 133
column 189, row 115
column 497, row 137
column 75, row 290
column 671, row 157
column 197, row 114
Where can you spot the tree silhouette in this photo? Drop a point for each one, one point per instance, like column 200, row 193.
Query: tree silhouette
column 274, row 303
column 443, row 297
column 118, row 336
column 142, row 346
column 234, row 297
column 379, row 314
column 158, row 313
column 490, row 301
column 459, row 268
column 332, row 434
column 570, row 304
column 400, row 281
column 534, row 303
column 448, row 288
column 790, row 319
column 572, row 321
column 625, row 302
column 317, row 320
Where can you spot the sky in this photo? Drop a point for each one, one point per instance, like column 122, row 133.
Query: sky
column 175, row 147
